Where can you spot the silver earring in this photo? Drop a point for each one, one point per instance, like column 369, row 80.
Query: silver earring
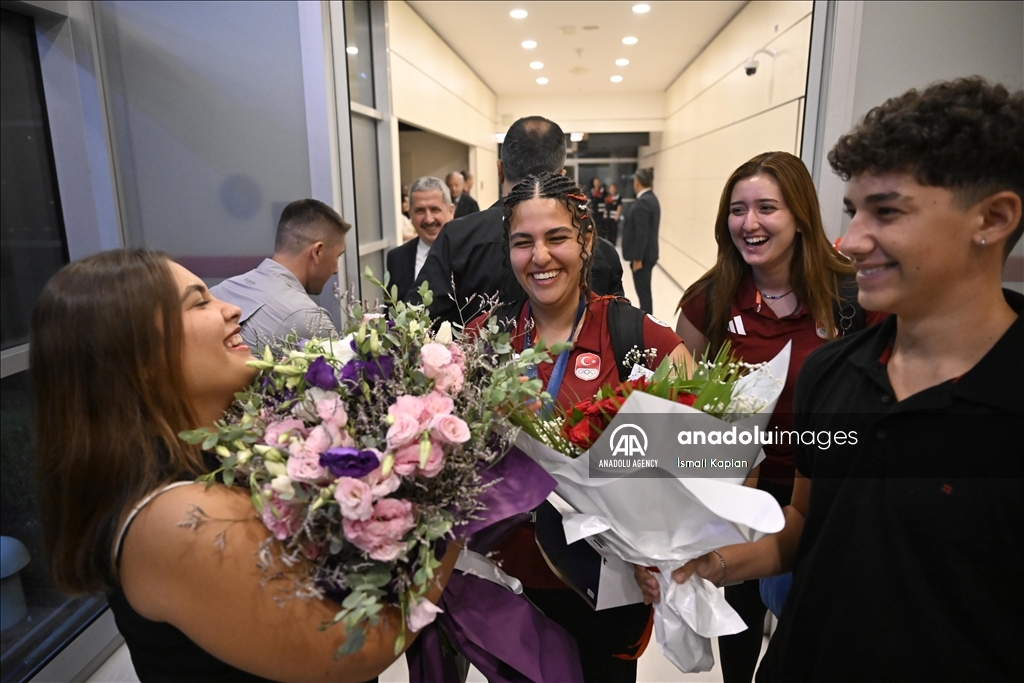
column 982, row 242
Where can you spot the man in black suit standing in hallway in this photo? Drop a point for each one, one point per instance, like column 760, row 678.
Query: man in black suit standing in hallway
column 430, row 208
column 464, row 204
column 640, row 236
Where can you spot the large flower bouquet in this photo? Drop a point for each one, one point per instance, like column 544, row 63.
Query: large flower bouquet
column 682, row 498
column 364, row 453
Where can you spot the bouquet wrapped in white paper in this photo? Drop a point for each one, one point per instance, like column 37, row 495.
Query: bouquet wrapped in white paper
column 658, row 495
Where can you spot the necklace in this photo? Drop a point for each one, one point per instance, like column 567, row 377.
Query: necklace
column 770, row 298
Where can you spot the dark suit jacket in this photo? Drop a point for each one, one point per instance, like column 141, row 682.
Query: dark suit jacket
column 401, row 264
column 640, row 230
column 606, row 272
column 466, row 206
column 472, row 252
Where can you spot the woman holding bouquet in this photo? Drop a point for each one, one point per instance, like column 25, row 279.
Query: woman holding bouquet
column 550, row 239
column 777, row 279
column 190, row 572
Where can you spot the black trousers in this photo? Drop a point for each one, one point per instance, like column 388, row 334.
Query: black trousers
column 599, row 634
column 642, row 282
column 739, row 651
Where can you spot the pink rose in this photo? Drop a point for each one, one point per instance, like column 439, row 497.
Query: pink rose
column 339, row 437
column 291, row 427
column 449, row 429
column 318, row 441
column 433, row 358
column 331, row 410
column 405, row 429
column 355, row 498
column 449, row 380
column 422, row 613
column 435, row 403
column 407, row 459
column 306, row 470
column 412, row 406
column 282, row 519
column 382, row 487
column 380, row 536
column 458, row 357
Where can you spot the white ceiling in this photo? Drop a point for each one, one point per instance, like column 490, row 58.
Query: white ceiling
column 578, row 42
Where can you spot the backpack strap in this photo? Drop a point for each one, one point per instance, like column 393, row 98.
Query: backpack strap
column 626, row 329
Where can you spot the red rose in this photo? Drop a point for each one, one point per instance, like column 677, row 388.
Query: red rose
column 583, row 433
column 686, row 398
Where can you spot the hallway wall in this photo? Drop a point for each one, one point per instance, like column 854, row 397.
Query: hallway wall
column 717, row 117
column 427, row 154
column 433, row 89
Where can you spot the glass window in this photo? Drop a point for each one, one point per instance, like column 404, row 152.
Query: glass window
column 359, row 48
column 621, row 174
column 367, row 177
column 32, row 241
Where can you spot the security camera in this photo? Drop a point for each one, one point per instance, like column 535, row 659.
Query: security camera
column 750, row 67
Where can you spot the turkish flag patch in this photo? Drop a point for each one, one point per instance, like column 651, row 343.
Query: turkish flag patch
column 588, row 366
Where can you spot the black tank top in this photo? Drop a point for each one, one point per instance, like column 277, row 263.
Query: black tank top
column 160, row 652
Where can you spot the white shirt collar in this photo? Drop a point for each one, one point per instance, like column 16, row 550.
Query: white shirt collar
column 422, row 249
column 642, row 192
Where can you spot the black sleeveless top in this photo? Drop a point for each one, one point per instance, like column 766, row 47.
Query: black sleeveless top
column 163, row 654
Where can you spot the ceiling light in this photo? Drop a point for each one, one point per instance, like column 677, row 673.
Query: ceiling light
column 542, row 81
column 629, row 40
column 352, row 50
column 529, row 44
column 576, row 137
column 641, row 9
column 518, row 14
column 499, row 137
column 621, row 62
column 536, row 65
column 616, row 79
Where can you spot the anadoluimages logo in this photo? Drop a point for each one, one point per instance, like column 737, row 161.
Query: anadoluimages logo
column 628, row 440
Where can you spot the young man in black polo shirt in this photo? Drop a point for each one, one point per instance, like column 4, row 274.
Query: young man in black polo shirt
column 906, row 546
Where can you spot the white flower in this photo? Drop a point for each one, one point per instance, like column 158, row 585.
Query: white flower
column 444, row 334
column 283, row 485
column 422, row 613
column 340, row 348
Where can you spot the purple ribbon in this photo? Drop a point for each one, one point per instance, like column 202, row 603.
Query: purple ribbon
column 502, row 634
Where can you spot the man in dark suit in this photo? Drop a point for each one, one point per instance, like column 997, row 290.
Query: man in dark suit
column 472, row 251
column 464, row 204
column 640, row 236
column 430, row 208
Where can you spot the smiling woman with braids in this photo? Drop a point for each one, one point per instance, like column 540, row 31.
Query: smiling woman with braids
column 550, row 240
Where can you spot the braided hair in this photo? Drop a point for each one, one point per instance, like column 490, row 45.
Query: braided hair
column 548, row 185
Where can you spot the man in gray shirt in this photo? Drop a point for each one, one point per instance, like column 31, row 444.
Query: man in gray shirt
column 275, row 297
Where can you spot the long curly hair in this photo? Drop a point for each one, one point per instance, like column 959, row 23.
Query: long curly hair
column 556, row 186
column 814, row 270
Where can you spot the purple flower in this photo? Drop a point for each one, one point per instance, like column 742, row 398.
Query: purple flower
column 350, row 462
column 351, row 371
column 380, row 367
column 321, row 375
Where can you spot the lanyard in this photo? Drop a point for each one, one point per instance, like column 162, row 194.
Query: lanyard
column 555, row 383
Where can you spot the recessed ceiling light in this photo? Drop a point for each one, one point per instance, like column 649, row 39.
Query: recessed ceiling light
column 616, row 79
column 629, row 40
column 641, row 9
column 499, row 137
column 536, row 65
column 576, row 137
column 529, row 44
column 518, row 14
column 542, row 81
column 353, row 50
column 621, row 62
